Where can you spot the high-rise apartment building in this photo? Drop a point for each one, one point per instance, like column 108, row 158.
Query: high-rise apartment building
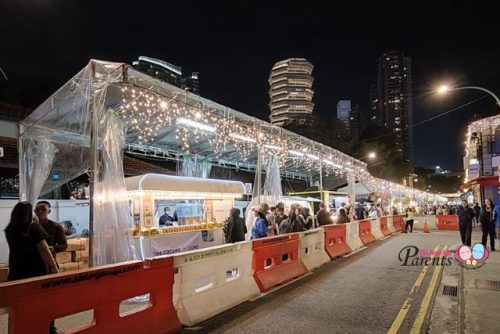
column 349, row 116
column 290, row 90
column 392, row 104
column 355, row 122
column 344, row 112
column 168, row 72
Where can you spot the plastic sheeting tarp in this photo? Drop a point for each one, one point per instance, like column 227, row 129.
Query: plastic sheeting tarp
column 112, row 241
column 40, row 153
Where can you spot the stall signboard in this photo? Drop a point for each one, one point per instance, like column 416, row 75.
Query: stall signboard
column 473, row 171
column 179, row 242
column 147, row 210
column 248, row 189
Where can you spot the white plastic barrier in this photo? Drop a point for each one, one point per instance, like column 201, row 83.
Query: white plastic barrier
column 390, row 225
column 375, row 227
column 312, row 249
column 212, row 280
column 352, row 235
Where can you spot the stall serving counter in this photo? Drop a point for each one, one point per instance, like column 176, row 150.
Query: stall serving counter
column 174, row 214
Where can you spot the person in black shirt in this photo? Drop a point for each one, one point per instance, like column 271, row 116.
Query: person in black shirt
column 57, row 238
column 477, row 213
column 166, row 219
column 465, row 215
column 360, row 212
column 234, row 228
column 29, row 254
column 323, row 216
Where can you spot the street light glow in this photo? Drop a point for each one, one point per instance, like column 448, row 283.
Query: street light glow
column 372, row 155
column 443, row 89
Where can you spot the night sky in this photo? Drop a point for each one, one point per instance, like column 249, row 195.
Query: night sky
column 234, row 46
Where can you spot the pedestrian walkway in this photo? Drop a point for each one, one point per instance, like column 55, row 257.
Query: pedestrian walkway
column 480, row 296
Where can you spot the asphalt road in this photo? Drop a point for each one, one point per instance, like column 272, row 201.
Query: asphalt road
column 362, row 293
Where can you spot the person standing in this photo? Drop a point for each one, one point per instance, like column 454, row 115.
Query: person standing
column 477, row 213
column 259, row 230
column 465, row 215
column 57, row 238
column 308, row 219
column 487, row 220
column 281, row 216
column 29, row 254
column 234, row 228
column 342, row 218
column 379, row 210
column 323, row 216
column 294, row 222
column 272, row 229
column 360, row 212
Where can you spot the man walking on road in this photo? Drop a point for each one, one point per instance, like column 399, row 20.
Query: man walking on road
column 465, row 216
column 477, row 213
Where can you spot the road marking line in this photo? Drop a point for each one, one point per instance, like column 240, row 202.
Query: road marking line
column 406, row 306
column 422, row 312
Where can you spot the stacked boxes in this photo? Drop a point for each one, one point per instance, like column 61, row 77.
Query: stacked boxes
column 76, row 255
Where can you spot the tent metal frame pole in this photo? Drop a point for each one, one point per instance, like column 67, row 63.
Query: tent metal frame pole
column 258, row 171
column 94, row 172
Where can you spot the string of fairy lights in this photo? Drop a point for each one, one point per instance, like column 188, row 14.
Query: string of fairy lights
column 148, row 114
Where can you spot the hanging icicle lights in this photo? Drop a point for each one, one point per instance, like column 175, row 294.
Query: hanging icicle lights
column 147, row 114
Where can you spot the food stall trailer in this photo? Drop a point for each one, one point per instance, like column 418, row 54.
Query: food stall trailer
column 191, row 209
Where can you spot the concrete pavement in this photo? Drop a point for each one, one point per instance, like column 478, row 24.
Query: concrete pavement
column 480, row 296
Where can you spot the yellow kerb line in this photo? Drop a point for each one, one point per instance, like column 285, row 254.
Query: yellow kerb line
column 406, row 306
column 417, row 325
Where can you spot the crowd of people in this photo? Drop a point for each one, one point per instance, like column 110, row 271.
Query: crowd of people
column 276, row 220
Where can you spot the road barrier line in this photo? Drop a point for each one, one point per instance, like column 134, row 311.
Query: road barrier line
column 406, row 306
column 422, row 312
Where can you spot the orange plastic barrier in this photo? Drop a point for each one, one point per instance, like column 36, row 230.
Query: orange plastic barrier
column 365, row 233
column 398, row 222
column 448, row 222
column 383, row 226
column 335, row 240
column 34, row 303
column 276, row 260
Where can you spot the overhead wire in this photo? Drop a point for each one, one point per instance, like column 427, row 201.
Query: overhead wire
column 431, row 118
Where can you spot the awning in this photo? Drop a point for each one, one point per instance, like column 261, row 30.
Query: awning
column 482, row 181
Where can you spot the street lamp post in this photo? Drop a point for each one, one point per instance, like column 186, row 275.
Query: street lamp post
column 446, row 89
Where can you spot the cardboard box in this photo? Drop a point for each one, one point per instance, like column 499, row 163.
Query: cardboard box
column 64, row 257
column 4, row 274
column 83, row 265
column 77, row 244
column 68, row 266
column 80, row 256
